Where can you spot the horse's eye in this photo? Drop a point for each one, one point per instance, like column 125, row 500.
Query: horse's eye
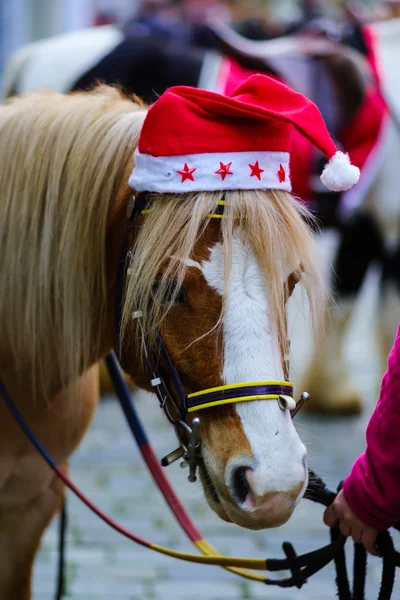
column 291, row 282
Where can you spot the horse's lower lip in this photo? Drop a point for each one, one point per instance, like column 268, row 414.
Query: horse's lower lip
column 255, row 520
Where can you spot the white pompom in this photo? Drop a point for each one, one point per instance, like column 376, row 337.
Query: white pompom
column 339, row 174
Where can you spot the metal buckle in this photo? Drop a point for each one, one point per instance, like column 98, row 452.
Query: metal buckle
column 190, row 454
column 173, row 456
column 286, row 402
column 303, row 399
column 194, row 449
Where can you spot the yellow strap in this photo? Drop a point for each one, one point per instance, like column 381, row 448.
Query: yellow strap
column 236, row 386
column 214, row 559
column 146, row 211
column 207, row 549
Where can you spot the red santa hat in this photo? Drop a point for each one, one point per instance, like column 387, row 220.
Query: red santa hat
column 196, row 140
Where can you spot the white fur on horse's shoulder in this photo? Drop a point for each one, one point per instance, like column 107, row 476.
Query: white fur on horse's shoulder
column 339, row 174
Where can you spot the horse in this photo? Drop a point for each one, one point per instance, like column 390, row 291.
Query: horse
column 215, row 289
column 370, row 235
column 337, row 78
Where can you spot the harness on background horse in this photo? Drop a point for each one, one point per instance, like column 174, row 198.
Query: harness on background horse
column 301, row 567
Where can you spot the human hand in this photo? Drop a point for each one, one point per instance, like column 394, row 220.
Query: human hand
column 340, row 514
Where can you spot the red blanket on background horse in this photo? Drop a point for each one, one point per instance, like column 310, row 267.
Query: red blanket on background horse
column 361, row 138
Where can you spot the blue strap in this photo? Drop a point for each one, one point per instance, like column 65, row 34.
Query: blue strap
column 125, row 400
column 24, row 426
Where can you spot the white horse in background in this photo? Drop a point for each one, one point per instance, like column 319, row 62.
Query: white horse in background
column 327, row 377
column 56, row 63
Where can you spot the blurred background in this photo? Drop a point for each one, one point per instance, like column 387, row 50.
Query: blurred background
column 24, row 21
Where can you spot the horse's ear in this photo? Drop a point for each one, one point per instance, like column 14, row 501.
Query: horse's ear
column 119, row 209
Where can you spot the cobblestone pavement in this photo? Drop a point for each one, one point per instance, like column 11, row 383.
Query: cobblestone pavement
column 103, row 565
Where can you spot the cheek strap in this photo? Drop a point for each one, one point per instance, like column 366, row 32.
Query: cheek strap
column 240, row 392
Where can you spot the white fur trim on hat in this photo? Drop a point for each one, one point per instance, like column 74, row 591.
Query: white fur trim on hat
column 339, row 174
column 205, row 172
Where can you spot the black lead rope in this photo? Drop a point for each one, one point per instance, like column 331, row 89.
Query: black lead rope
column 302, row 567
column 342, row 578
column 390, row 561
column 62, row 542
column 318, row 492
column 359, row 572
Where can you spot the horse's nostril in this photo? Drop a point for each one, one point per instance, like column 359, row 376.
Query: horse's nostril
column 240, row 485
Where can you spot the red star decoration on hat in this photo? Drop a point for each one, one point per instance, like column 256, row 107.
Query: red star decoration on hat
column 281, row 174
column 256, row 171
column 224, row 170
column 186, row 173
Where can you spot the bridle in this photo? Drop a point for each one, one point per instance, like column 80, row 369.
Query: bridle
column 159, row 362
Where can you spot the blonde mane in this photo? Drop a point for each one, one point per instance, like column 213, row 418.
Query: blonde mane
column 272, row 221
column 63, row 160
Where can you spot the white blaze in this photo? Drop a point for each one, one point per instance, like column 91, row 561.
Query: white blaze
column 251, row 353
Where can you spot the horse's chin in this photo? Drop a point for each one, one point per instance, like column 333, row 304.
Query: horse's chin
column 255, row 521
column 232, row 514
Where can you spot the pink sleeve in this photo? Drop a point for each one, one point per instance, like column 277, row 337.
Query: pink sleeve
column 373, row 487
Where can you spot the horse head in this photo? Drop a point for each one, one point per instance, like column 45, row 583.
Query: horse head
column 215, row 291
